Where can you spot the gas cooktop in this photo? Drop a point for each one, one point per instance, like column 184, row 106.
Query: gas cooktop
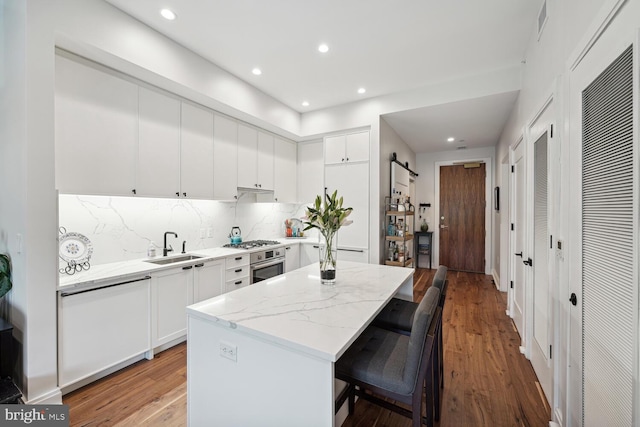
column 250, row 244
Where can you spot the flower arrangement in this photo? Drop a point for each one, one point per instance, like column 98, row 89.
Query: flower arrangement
column 328, row 217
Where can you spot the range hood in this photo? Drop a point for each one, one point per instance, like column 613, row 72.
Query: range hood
column 253, row 190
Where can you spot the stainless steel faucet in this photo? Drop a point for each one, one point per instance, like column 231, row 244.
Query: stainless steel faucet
column 165, row 249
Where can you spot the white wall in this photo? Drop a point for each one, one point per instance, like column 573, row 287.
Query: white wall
column 28, row 209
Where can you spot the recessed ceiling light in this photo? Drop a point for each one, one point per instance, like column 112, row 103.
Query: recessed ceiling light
column 256, row 71
column 362, row 90
column 168, row 14
column 323, row 48
column 305, row 103
column 451, row 139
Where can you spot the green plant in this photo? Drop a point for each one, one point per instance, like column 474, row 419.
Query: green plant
column 5, row 274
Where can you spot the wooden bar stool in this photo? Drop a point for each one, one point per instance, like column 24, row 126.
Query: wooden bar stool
column 394, row 365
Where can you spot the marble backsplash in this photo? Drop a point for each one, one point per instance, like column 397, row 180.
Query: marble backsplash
column 121, row 228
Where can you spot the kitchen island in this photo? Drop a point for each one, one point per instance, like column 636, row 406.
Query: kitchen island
column 264, row 355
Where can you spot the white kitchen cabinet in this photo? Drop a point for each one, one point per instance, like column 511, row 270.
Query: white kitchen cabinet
column 292, row 257
column 255, row 158
column 355, row 255
column 158, row 166
column 310, row 171
column 351, row 147
column 352, row 182
column 96, row 130
column 100, row 328
column 285, row 169
column 309, row 254
column 237, row 272
column 225, row 158
column 208, row 280
column 171, row 293
column 196, row 152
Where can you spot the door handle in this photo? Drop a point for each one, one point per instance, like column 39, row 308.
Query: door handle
column 444, row 226
column 528, row 262
column 519, row 254
column 573, row 299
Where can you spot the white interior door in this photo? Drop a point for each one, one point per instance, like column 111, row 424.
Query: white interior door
column 519, row 220
column 604, row 239
column 542, row 296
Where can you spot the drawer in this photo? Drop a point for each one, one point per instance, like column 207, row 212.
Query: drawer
column 237, row 260
column 237, row 272
column 232, row 285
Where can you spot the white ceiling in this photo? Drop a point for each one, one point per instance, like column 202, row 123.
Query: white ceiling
column 385, row 46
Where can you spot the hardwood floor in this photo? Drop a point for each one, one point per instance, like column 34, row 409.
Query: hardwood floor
column 487, row 381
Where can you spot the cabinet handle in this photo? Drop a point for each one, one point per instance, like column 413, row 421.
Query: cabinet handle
column 238, row 270
column 255, row 185
column 238, row 258
column 343, row 159
column 177, row 194
column 260, row 185
column 69, row 293
column 199, row 265
column 239, row 282
column 188, row 267
column 347, row 159
column 287, row 248
column 316, row 246
column 184, row 194
column 133, row 191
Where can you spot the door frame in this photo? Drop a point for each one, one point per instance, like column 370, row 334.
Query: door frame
column 488, row 212
column 512, row 237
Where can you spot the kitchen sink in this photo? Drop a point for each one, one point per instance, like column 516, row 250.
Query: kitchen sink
column 163, row 261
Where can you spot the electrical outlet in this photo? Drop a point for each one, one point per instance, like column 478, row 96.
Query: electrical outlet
column 202, row 233
column 228, row 350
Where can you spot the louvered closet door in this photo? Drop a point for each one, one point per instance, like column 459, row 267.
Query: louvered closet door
column 608, row 253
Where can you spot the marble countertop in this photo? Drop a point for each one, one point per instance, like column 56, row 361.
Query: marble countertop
column 100, row 273
column 296, row 311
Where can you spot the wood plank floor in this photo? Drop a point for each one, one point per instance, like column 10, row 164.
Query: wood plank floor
column 487, row 381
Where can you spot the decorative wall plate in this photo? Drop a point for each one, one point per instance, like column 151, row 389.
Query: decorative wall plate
column 75, row 247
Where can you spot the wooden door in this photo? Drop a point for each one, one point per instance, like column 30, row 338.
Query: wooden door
column 462, row 217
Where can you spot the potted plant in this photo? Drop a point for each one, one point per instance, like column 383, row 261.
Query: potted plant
column 5, row 274
column 328, row 216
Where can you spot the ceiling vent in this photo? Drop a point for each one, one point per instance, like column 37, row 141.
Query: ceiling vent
column 542, row 18
column 461, row 147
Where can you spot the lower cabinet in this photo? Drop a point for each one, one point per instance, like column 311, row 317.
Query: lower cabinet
column 308, row 253
column 171, row 293
column 292, row 258
column 208, row 280
column 102, row 327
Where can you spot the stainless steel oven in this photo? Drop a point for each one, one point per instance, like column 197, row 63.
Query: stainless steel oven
column 266, row 264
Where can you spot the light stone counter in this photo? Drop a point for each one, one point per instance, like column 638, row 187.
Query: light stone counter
column 264, row 354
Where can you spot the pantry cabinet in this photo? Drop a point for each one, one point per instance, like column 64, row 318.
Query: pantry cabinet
column 96, row 130
column 158, row 165
column 196, row 152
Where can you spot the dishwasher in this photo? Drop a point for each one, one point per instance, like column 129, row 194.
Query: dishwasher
column 101, row 326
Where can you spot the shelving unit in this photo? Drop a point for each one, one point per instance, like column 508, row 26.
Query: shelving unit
column 399, row 247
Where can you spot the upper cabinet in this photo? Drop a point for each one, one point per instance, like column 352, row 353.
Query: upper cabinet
column 196, row 152
column 255, row 158
column 96, row 130
column 353, row 147
column 158, row 171
column 285, row 154
column 225, row 158
column 310, row 171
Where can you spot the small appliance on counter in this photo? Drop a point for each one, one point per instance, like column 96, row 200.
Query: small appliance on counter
column 293, row 227
column 235, row 236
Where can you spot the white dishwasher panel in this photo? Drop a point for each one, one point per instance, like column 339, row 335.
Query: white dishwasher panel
column 101, row 327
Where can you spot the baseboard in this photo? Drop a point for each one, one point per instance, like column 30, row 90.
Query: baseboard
column 558, row 418
column 54, row 397
column 496, row 279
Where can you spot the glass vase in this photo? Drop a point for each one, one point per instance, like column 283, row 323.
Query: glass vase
column 328, row 252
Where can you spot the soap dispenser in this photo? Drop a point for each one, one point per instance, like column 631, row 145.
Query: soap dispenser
column 151, row 250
